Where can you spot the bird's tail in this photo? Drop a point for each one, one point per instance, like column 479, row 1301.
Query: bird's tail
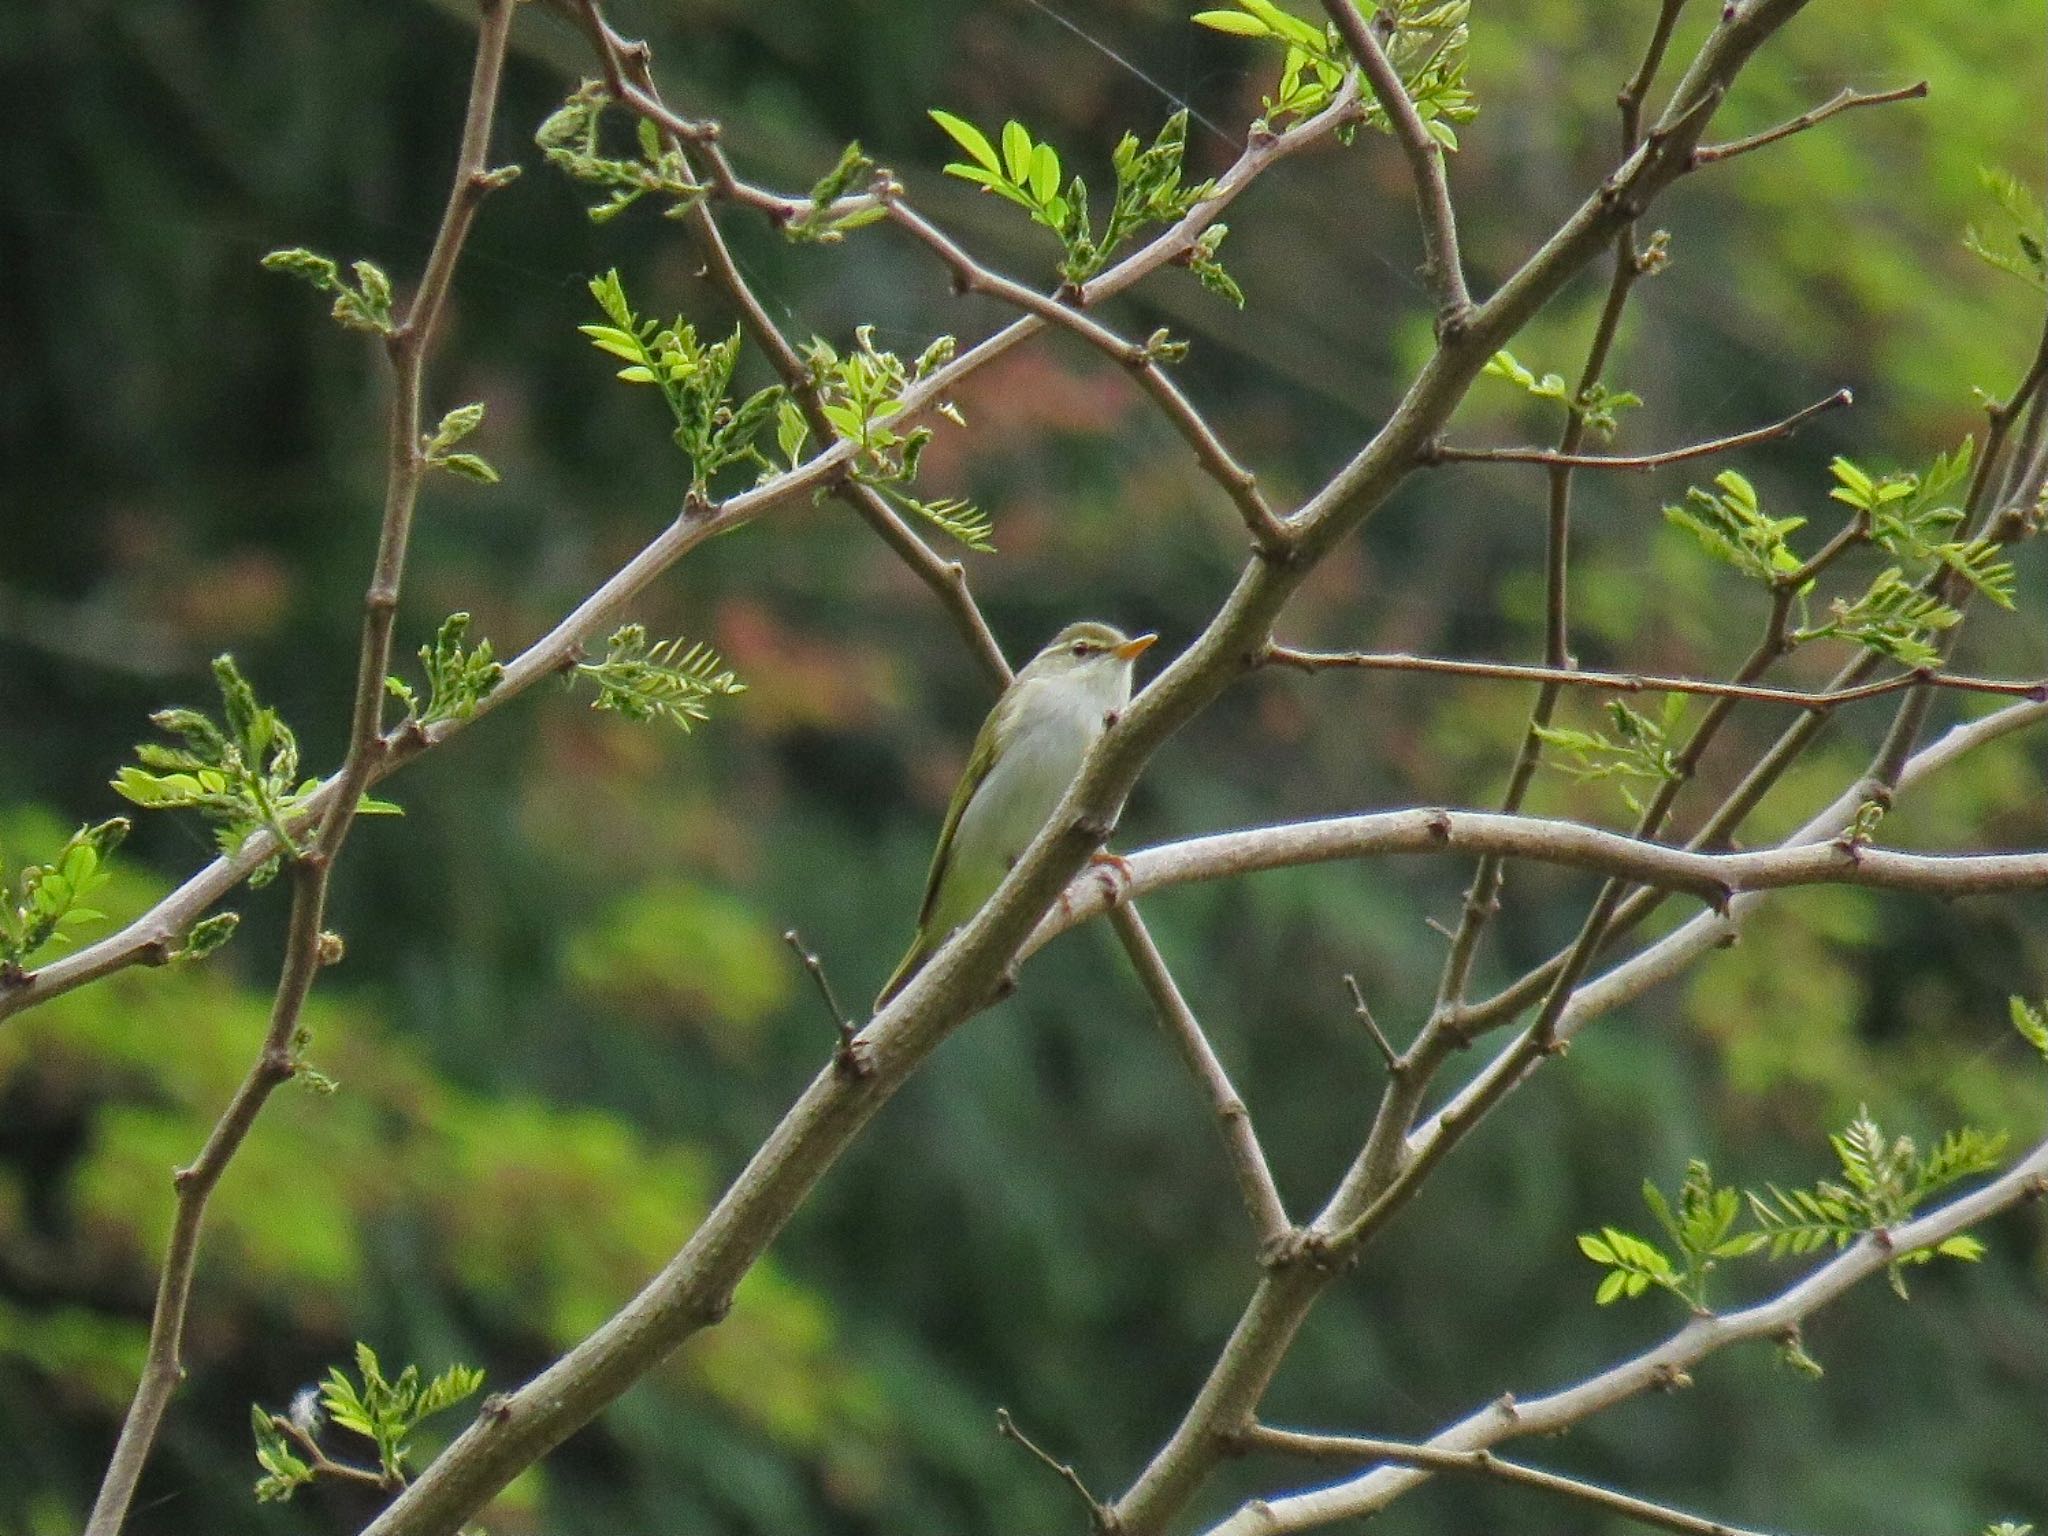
column 920, row 952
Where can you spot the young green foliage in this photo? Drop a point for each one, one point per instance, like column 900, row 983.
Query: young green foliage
column 207, row 935
column 364, row 305
column 1883, row 1182
column 383, row 1411
column 1893, row 617
column 2028, row 258
column 1909, row 516
column 457, row 680
column 437, row 448
column 1597, row 406
column 285, row 1471
column 663, row 680
column 44, row 899
column 824, row 222
column 571, row 140
column 241, row 773
column 1425, row 41
column 1148, row 191
column 1730, row 524
column 2031, row 1020
column 714, row 430
column 1701, row 1226
column 1639, row 749
column 860, row 393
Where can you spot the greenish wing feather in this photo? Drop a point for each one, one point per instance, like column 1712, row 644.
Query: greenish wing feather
column 979, row 762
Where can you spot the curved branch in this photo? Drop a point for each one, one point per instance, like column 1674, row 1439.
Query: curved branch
column 1448, row 453
column 1717, row 878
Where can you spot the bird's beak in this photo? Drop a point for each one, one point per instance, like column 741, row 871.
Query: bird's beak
column 1130, row 650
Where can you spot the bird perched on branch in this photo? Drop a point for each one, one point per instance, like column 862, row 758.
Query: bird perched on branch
column 1029, row 750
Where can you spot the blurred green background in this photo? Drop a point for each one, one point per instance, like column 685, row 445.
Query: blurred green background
column 566, row 1015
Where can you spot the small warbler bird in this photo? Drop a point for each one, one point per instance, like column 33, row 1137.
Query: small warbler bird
column 1029, row 750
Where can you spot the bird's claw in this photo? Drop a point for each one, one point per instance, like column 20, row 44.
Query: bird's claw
column 1115, row 873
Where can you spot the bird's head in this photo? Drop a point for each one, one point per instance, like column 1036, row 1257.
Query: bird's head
column 1088, row 649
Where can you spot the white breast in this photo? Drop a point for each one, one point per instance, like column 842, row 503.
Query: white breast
column 1051, row 732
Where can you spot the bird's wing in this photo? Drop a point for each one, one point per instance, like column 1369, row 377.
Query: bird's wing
column 979, row 762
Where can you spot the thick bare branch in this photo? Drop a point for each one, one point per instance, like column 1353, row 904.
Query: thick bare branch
column 1715, row 878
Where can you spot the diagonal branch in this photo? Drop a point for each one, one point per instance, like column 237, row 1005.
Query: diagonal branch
column 1269, row 534
column 1270, row 1223
column 1356, row 1449
column 1843, row 101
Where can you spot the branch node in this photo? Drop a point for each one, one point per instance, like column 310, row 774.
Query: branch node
column 1505, row 1406
column 850, row 1057
column 496, row 1408
column 1397, row 1066
column 1091, row 830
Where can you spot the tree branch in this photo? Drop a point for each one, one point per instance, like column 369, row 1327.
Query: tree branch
column 1446, row 453
column 1442, row 266
column 1355, row 1449
column 1842, row 101
column 1262, row 1202
column 408, row 346
column 1642, row 682
column 1715, row 878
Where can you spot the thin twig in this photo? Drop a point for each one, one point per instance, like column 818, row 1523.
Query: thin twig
column 1269, row 534
column 325, row 1464
column 1356, row 1449
column 1843, row 101
column 408, row 346
column 163, row 1364
column 1446, row 453
column 1262, row 1202
column 1392, row 1057
column 846, row 1056
column 1643, row 682
column 1098, row 1513
column 1442, row 267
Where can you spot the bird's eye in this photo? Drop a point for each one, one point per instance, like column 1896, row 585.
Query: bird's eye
column 1081, row 647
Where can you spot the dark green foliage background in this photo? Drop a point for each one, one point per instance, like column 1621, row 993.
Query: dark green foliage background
column 566, row 1016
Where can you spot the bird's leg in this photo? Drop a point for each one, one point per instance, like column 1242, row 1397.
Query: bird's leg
column 1114, row 871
